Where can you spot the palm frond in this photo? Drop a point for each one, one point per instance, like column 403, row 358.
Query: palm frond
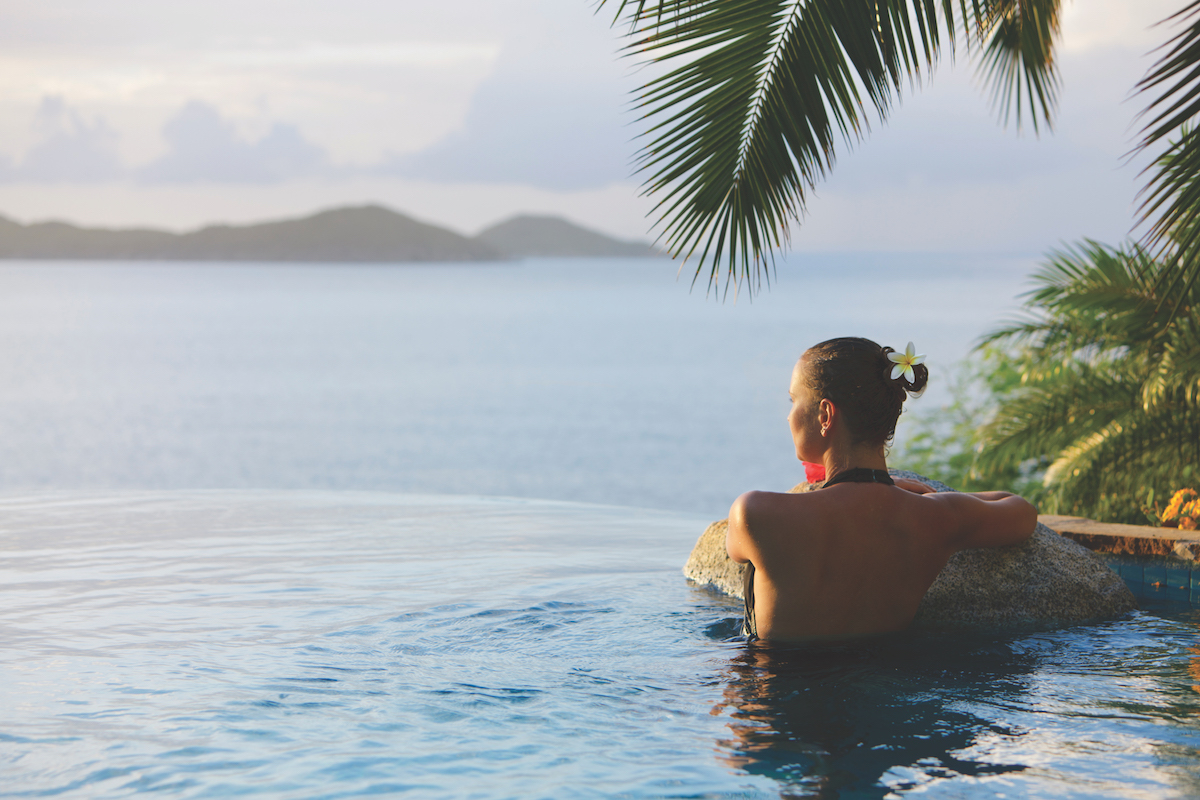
column 1175, row 370
column 760, row 93
column 1110, row 391
column 1019, row 63
column 1171, row 198
column 1089, row 295
column 1107, row 474
column 1054, row 412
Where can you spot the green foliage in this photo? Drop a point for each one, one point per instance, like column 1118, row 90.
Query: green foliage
column 1106, row 408
column 758, row 93
column 1171, row 198
column 945, row 444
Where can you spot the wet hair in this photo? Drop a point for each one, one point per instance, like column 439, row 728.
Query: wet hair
column 856, row 376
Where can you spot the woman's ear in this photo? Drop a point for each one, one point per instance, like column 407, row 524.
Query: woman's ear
column 826, row 415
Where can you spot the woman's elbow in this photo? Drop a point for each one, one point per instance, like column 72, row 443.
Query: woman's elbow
column 998, row 523
column 1027, row 517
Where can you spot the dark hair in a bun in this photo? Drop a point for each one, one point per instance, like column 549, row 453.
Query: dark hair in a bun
column 856, row 376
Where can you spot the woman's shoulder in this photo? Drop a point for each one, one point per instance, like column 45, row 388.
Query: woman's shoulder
column 760, row 505
column 759, row 498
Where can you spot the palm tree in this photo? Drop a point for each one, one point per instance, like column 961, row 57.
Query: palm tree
column 757, row 94
column 1110, row 390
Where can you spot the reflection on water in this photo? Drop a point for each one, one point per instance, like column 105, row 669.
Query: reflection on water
column 834, row 720
column 1047, row 713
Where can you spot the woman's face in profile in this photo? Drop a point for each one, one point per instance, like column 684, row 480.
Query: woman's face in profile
column 806, row 429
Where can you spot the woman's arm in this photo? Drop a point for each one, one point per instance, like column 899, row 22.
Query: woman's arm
column 992, row 495
column 987, row 519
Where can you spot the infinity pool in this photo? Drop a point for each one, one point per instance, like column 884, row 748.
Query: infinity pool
column 322, row 645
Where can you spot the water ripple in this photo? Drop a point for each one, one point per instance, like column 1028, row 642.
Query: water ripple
column 331, row 650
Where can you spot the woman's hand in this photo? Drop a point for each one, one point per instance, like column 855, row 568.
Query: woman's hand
column 916, row 487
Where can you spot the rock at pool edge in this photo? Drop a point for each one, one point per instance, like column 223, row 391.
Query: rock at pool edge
column 1047, row 580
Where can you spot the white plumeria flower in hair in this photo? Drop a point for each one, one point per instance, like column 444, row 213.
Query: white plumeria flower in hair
column 905, row 362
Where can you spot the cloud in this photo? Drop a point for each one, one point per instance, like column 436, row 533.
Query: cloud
column 204, row 147
column 552, row 137
column 553, row 114
column 69, row 148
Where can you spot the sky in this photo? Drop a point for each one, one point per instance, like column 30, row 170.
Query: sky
column 179, row 114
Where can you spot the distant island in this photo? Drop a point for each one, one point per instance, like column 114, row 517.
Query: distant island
column 369, row 233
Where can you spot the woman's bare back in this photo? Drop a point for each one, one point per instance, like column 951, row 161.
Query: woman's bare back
column 857, row 558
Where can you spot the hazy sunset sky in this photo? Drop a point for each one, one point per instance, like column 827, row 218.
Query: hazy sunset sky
column 133, row 112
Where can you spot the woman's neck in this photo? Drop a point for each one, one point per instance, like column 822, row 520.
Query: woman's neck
column 839, row 459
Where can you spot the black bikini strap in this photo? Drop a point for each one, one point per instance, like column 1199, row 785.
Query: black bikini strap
column 860, row 475
column 749, row 623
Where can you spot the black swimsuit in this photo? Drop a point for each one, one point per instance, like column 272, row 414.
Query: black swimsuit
column 855, row 475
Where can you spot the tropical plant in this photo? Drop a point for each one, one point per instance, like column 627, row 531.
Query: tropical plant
column 746, row 118
column 944, row 443
column 1109, row 395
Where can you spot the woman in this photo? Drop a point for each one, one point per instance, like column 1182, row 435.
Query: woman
column 856, row 556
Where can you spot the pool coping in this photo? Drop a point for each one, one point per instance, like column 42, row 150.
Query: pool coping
column 1130, row 540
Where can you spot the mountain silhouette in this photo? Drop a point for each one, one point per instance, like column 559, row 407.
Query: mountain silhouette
column 369, row 233
column 526, row 236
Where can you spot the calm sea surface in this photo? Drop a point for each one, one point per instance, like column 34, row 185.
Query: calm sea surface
column 591, row 380
column 346, row 531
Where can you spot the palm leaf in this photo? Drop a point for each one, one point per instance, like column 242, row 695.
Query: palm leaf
column 1018, row 62
column 1090, row 295
column 759, row 94
column 1110, row 393
column 1175, row 370
column 1106, row 475
column 1171, row 197
column 1055, row 412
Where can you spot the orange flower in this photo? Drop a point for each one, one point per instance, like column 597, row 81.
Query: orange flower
column 1191, row 509
column 1184, row 505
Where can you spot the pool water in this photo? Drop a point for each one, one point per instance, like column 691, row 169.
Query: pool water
column 300, row 644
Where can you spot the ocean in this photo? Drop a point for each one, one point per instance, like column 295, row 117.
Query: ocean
column 603, row 381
